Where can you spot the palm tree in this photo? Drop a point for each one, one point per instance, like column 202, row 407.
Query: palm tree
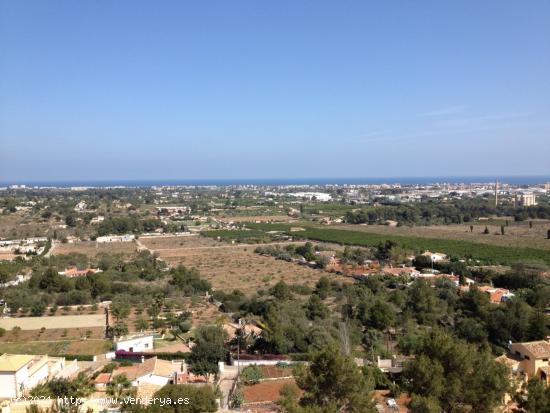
column 119, row 387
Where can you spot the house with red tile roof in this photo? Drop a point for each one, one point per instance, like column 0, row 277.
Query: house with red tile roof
column 496, row 295
column 72, row 272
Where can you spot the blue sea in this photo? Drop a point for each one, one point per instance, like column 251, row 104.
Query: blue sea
column 515, row 180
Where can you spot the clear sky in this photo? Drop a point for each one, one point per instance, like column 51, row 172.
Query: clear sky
column 128, row 89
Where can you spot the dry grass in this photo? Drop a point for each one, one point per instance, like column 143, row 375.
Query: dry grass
column 92, row 248
column 171, row 242
column 60, row 347
column 255, row 218
column 60, row 322
column 230, row 267
column 53, row 334
column 22, row 224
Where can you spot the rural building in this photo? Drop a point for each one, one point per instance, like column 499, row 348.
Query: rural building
column 153, row 371
column 435, row 256
column 396, row 271
column 173, row 211
column 316, row 196
column 496, row 295
column 72, row 272
column 135, row 344
column 97, row 220
column 19, row 373
column 80, row 207
column 116, row 238
column 533, row 359
column 525, row 199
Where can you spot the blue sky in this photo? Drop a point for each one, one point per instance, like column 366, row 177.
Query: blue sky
column 283, row 89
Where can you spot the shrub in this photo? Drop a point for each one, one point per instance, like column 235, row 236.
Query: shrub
column 252, row 374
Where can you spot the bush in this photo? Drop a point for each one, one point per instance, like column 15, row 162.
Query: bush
column 251, row 374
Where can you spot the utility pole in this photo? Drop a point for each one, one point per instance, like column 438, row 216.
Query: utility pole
column 496, row 193
column 239, row 331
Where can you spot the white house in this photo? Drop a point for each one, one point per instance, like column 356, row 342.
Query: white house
column 135, row 344
column 19, row 373
column 151, row 371
column 435, row 256
column 116, row 238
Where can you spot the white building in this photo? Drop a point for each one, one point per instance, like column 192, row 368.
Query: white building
column 19, row 373
column 80, row 207
column 116, row 238
column 151, row 371
column 435, row 256
column 135, row 344
column 318, row 196
column 525, row 199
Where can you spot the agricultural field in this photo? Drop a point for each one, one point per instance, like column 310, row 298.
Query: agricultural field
column 59, row 347
column 202, row 312
column 255, row 218
column 361, row 235
column 92, row 248
column 23, row 224
column 159, row 244
column 53, row 334
column 59, row 322
column 515, row 235
column 265, row 391
column 230, row 267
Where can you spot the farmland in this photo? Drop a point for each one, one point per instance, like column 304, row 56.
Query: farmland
column 230, row 267
column 58, row 347
column 515, row 235
column 348, row 235
column 67, row 321
column 92, row 248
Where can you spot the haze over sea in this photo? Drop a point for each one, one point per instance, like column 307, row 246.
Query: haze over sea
column 410, row 180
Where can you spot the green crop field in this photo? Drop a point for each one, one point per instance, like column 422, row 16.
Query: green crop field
column 490, row 254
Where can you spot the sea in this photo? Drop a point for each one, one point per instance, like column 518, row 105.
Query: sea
column 408, row 180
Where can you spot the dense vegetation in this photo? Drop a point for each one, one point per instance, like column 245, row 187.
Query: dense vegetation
column 437, row 212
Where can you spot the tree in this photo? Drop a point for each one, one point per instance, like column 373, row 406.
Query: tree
column 70, row 220
column 332, row 382
column 209, row 349
column 455, row 373
column 120, row 308
column 119, row 387
column 251, row 374
column 185, row 399
column 51, row 281
column 423, row 303
column 181, row 324
column 281, row 291
column 534, row 397
column 141, row 324
column 538, row 326
column 120, row 329
column 381, row 316
column 322, row 288
column 77, row 387
column 315, row 308
column 421, row 404
column 38, row 309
